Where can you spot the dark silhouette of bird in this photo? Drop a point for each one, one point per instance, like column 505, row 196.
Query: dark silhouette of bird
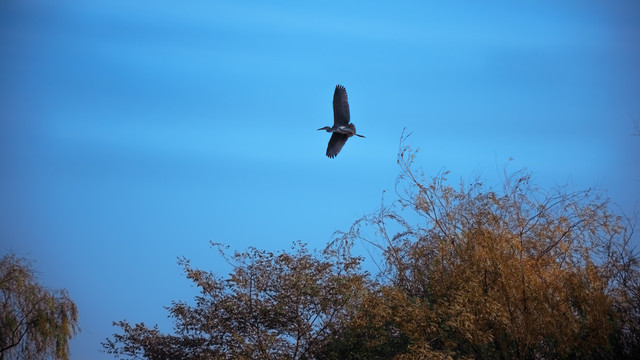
column 342, row 130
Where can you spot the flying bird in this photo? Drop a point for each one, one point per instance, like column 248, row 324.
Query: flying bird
column 342, row 130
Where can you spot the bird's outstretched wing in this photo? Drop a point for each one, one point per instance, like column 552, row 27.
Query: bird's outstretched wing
column 340, row 107
column 336, row 143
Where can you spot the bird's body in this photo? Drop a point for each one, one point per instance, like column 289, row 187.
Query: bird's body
column 342, row 129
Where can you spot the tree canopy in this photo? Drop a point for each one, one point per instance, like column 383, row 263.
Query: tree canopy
column 465, row 272
column 35, row 323
column 515, row 274
column 272, row 306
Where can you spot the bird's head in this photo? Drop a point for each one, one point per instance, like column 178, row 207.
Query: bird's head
column 325, row 128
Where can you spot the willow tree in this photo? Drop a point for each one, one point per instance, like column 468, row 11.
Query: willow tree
column 35, row 323
column 517, row 273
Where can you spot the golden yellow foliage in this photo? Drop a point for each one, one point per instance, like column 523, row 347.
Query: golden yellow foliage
column 519, row 274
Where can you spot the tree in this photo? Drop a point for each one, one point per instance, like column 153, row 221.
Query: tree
column 465, row 272
column 515, row 274
column 272, row 306
column 35, row 323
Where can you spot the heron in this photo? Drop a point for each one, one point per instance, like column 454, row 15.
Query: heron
column 342, row 130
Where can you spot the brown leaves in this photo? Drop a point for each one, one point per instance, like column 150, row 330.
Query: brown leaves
column 516, row 274
column 271, row 306
column 465, row 272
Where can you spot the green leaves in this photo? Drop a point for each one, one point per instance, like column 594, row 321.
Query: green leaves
column 35, row 322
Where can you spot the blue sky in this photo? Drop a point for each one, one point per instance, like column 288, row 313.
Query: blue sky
column 134, row 132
